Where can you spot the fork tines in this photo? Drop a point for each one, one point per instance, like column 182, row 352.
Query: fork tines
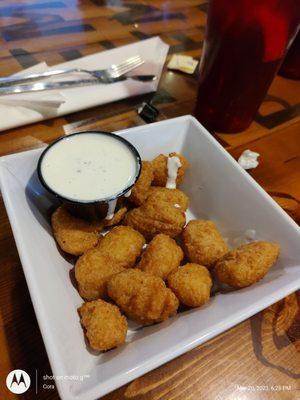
column 117, row 70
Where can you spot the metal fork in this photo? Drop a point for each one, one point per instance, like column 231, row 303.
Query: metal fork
column 104, row 75
column 41, row 86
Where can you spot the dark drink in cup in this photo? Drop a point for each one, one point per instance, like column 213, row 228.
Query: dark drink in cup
column 245, row 43
column 291, row 64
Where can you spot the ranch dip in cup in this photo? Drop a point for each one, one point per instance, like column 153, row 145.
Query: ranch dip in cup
column 89, row 172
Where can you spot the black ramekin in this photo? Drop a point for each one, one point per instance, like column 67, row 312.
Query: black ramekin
column 90, row 209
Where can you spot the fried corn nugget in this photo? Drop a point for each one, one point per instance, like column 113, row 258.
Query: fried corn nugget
column 105, row 326
column 122, row 246
column 74, row 235
column 117, row 250
column 247, row 264
column 173, row 196
column 160, row 169
column 161, row 257
column 191, row 284
column 117, row 218
column 155, row 217
column 139, row 192
column 142, row 297
column 203, row 243
column 92, row 271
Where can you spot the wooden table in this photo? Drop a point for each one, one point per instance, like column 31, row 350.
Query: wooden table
column 259, row 358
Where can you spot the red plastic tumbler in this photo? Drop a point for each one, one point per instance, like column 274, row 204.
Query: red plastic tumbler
column 291, row 65
column 245, row 43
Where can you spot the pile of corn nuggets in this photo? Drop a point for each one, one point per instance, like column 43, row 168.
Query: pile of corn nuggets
column 136, row 269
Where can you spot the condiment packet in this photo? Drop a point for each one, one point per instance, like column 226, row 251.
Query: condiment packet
column 185, row 64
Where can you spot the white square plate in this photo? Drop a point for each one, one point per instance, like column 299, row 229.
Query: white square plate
column 218, row 188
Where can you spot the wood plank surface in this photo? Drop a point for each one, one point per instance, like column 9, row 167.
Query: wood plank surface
column 259, row 358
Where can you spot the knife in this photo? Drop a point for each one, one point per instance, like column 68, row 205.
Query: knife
column 41, row 86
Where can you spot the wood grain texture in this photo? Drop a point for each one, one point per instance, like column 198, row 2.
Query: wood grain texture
column 259, row 358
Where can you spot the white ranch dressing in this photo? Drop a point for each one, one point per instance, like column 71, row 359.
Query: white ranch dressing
column 89, row 167
column 111, row 209
column 248, row 159
column 173, row 165
column 246, row 237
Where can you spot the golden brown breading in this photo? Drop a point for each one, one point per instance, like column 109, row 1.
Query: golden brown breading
column 92, row 271
column 105, row 326
column 154, row 217
column 191, row 284
column 122, row 246
column 117, row 218
column 139, row 192
column 160, row 169
column 117, row 250
column 142, row 296
column 173, row 196
column 74, row 235
column 161, row 257
column 203, row 243
column 247, row 264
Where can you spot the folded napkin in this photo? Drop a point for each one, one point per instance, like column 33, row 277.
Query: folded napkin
column 26, row 108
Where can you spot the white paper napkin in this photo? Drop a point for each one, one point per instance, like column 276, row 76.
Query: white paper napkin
column 23, row 106
column 22, row 109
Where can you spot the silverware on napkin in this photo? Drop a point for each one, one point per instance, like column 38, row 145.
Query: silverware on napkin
column 41, row 86
column 112, row 72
